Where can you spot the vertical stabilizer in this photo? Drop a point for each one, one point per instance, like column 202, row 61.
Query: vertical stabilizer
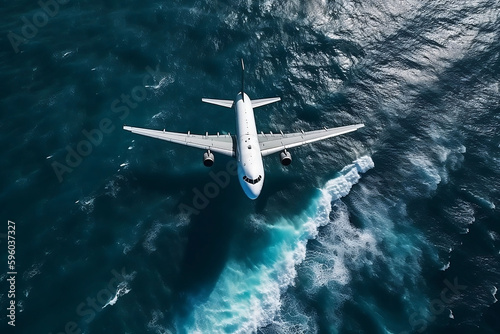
column 242, row 79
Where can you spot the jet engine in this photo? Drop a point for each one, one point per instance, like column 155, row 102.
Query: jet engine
column 208, row 158
column 285, row 158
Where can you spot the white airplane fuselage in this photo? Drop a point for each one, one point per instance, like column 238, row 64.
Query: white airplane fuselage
column 248, row 155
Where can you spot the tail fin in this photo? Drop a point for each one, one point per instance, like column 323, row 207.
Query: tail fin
column 242, row 79
column 229, row 103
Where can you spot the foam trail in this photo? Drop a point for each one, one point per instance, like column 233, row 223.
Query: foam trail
column 248, row 296
column 123, row 289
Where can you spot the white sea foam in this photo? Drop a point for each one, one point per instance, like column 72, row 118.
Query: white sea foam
column 20, row 305
column 63, row 54
column 156, row 325
column 165, row 81
column 292, row 318
column 112, row 188
column 446, row 266
column 248, row 296
column 483, row 201
column 151, row 235
column 32, row 271
column 430, row 174
column 86, row 204
column 122, row 290
column 340, row 248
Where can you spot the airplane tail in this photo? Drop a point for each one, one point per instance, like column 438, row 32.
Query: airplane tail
column 242, row 79
column 229, row 103
column 255, row 103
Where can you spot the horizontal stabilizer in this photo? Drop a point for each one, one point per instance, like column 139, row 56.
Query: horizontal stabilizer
column 263, row 102
column 222, row 103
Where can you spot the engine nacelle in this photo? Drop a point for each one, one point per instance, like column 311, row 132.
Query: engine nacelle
column 208, row 158
column 285, row 158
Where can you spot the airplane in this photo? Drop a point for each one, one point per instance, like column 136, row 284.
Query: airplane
column 247, row 146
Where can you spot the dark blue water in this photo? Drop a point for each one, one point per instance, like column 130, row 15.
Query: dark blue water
column 391, row 229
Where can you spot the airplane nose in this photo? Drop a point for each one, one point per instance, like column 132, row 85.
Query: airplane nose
column 253, row 191
column 251, row 186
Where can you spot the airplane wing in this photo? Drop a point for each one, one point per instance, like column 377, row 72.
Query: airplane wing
column 222, row 144
column 272, row 143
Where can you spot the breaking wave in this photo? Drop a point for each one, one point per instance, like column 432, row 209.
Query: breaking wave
column 248, row 293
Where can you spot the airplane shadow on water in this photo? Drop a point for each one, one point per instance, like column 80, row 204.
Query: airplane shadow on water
column 210, row 231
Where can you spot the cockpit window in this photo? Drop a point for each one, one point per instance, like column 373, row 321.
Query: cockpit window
column 254, row 181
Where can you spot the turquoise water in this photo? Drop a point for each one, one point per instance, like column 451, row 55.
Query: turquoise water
column 391, row 229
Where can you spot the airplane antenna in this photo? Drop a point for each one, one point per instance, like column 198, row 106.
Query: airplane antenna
column 242, row 79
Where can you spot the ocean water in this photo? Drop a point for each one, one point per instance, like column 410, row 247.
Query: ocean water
column 391, row 229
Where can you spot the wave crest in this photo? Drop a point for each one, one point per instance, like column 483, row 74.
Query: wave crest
column 248, row 293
